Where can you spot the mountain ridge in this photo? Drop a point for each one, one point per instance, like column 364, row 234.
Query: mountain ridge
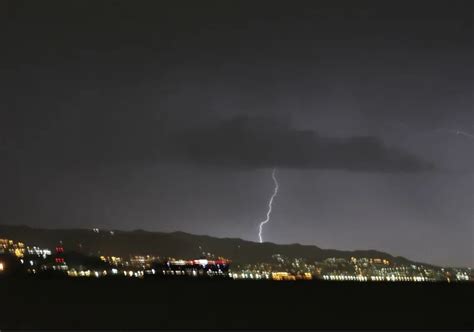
column 176, row 244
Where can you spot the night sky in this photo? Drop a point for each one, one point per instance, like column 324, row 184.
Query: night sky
column 171, row 115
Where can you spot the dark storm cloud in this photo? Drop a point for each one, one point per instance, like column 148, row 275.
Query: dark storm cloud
column 239, row 142
column 261, row 143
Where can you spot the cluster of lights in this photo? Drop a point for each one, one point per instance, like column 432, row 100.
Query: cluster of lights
column 247, row 275
column 272, row 276
column 16, row 248
column 178, row 273
column 104, row 273
column 375, row 278
column 96, row 230
column 336, row 269
column 38, row 252
column 462, row 276
column 344, row 278
column 142, row 261
column 136, row 274
column 192, row 272
column 113, row 260
column 61, row 267
column 283, row 276
column 87, row 273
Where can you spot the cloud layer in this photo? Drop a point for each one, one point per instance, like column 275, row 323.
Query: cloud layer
column 241, row 142
column 260, row 143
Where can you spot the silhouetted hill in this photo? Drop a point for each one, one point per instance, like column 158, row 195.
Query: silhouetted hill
column 175, row 244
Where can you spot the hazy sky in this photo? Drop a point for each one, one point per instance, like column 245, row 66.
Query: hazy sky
column 170, row 116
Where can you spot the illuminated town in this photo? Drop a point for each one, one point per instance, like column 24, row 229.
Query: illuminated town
column 35, row 261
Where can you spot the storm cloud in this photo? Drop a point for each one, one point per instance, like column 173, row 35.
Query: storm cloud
column 262, row 143
column 240, row 142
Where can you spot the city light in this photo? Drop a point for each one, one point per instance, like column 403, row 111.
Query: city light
column 278, row 268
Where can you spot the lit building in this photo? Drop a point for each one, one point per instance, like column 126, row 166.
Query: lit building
column 59, row 262
column 282, row 276
column 193, row 268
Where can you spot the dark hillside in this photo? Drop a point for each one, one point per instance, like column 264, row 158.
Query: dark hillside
column 176, row 244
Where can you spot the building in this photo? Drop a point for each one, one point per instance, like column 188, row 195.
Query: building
column 282, row 276
column 193, row 268
column 59, row 262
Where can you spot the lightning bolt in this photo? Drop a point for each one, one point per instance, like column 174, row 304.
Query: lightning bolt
column 270, row 202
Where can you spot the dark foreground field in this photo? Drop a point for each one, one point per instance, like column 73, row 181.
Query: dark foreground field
column 119, row 304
